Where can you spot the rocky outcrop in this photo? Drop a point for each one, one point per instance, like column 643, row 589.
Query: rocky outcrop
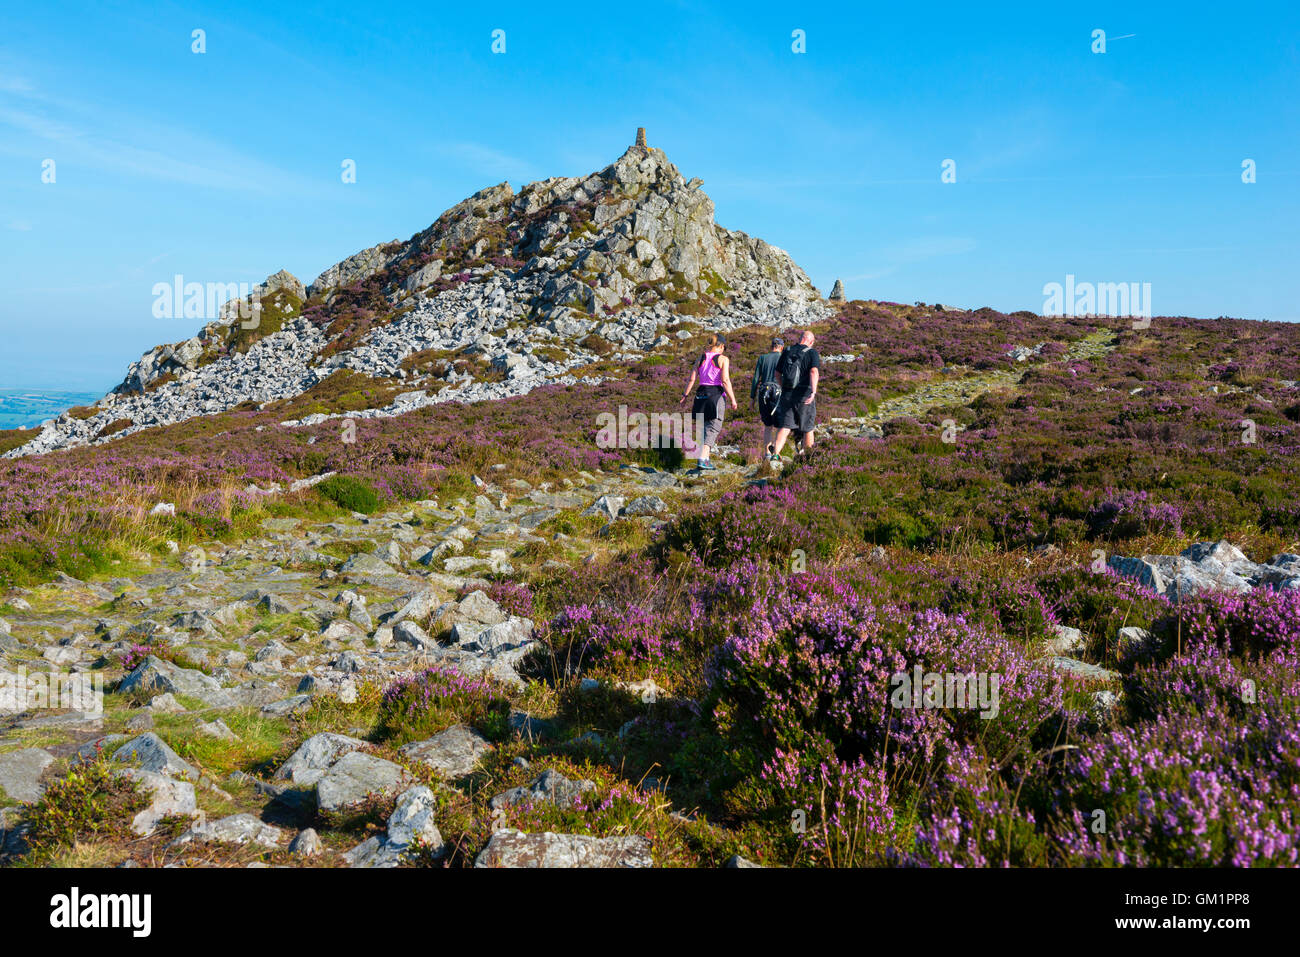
column 519, row 279
column 1208, row 566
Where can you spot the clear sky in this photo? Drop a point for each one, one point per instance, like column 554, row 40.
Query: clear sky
column 1122, row 166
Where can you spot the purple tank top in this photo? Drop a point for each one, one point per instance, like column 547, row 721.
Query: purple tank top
column 710, row 374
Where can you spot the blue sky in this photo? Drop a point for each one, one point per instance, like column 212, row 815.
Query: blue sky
column 224, row 167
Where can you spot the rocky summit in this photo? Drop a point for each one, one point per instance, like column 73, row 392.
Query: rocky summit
column 525, row 286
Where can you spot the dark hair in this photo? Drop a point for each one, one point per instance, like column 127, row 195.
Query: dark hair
column 777, row 342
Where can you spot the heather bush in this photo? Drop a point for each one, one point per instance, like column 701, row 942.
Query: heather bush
column 90, row 802
column 802, row 689
column 351, row 493
column 419, row 705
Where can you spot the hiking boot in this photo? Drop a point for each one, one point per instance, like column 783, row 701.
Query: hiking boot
column 706, row 466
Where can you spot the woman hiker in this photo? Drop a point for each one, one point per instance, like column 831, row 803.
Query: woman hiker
column 713, row 370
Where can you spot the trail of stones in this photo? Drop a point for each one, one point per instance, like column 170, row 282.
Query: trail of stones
column 961, row 391
column 304, row 610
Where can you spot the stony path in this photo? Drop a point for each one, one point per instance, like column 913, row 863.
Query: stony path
column 959, row 391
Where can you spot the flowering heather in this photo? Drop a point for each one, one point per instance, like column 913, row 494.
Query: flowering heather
column 514, row 597
column 421, row 704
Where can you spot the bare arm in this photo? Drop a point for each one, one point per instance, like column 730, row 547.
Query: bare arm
column 690, row 387
column 813, row 376
column 726, row 382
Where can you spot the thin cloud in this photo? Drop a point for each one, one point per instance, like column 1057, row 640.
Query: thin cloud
column 491, row 161
column 77, row 141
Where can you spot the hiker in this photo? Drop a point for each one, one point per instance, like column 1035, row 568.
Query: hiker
column 713, row 370
column 765, row 391
column 798, row 370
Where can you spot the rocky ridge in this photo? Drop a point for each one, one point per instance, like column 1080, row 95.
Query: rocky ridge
column 537, row 284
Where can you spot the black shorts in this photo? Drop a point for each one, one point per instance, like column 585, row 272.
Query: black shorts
column 797, row 416
column 768, row 403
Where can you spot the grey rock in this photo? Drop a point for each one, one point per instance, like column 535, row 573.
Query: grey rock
column 168, row 798
column 156, row 674
column 645, row 505
column 365, row 564
column 216, row 729
column 548, row 787
column 235, row 829
column 375, row 852
column 306, row 843
column 1066, row 640
column 511, row 848
column 453, row 753
column 285, row 706
column 607, row 506
column 1104, row 703
column 20, row 774
column 151, row 753
column 1081, row 669
column 353, row 777
column 478, row 607
column 409, row 633
column 315, row 756
column 412, row 821
column 1135, row 644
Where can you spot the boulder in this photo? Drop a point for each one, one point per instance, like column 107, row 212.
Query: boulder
column 168, row 798
column 20, row 774
column 355, row 776
column 315, row 756
column 151, row 753
column 235, row 829
column 549, row 787
column 412, row 821
column 156, row 674
column 452, row 753
column 307, row 843
column 511, row 848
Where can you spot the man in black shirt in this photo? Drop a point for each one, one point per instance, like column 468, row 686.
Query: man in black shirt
column 798, row 370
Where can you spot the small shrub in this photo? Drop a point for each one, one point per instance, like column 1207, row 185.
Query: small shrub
column 89, row 802
column 350, row 493
column 420, row 705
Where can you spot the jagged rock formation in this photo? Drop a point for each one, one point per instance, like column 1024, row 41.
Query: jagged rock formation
column 837, row 292
column 514, row 282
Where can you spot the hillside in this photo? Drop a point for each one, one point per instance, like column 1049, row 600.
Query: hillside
column 362, row 588
column 503, row 293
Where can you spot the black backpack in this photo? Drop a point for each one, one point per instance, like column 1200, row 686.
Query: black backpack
column 791, row 368
column 769, row 397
